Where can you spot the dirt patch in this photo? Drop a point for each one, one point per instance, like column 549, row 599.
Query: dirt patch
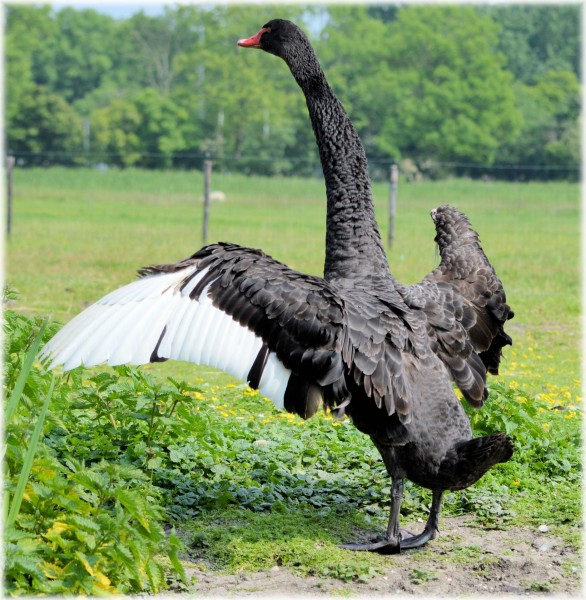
column 464, row 560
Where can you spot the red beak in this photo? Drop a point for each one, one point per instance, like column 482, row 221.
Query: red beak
column 252, row 42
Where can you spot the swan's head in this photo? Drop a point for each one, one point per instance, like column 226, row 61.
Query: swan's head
column 281, row 38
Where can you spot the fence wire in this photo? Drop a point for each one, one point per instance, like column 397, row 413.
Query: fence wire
column 413, row 168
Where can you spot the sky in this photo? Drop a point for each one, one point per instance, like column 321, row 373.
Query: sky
column 124, row 9
column 116, row 10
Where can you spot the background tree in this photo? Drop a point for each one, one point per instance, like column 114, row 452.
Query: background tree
column 458, row 87
column 45, row 129
column 79, row 56
column 448, row 95
column 26, row 28
column 224, row 90
column 550, row 129
column 538, row 39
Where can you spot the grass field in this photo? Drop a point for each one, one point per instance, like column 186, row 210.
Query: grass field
column 252, row 487
column 78, row 234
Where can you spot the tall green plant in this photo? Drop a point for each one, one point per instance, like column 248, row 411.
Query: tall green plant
column 70, row 528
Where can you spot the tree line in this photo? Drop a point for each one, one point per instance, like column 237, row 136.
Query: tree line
column 445, row 89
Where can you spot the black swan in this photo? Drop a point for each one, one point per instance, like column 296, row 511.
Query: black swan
column 355, row 341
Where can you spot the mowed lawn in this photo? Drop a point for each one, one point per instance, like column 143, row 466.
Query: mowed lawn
column 77, row 234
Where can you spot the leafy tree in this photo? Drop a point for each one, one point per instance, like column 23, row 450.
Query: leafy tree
column 45, row 124
column 79, row 57
column 427, row 85
column 383, row 12
column 550, row 131
column 26, row 28
column 451, row 84
column 114, row 133
column 538, row 39
column 244, row 103
column 161, row 127
column 139, row 129
column 153, row 44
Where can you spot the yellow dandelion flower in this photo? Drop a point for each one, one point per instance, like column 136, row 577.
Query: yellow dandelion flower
column 545, row 426
column 515, row 483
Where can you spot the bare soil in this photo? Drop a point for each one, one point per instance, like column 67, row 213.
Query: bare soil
column 465, row 560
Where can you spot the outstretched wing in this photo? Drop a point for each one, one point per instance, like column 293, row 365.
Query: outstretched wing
column 465, row 304
column 227, row 306
column 466, row 268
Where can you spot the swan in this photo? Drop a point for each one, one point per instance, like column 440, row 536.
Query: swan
column 355, row 341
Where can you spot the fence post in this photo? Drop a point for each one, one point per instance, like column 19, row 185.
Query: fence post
column 10, row 160
column 207, row 186
column 393, row 187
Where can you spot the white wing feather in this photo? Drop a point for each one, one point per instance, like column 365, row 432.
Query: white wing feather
column 126, row 325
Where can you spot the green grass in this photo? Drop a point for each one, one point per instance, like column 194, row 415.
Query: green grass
column 224, row 453
column 79, row 233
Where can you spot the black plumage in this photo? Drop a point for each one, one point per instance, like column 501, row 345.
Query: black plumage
column 355, row 340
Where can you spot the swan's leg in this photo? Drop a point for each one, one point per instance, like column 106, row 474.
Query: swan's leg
column 431, row 528
column 391, row 543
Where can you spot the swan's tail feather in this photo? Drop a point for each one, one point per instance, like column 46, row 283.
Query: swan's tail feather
column 468, row 461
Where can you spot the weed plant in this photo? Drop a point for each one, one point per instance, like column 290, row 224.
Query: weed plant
column 74, row 526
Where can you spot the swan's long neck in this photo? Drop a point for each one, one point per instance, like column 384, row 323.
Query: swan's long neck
column 354, row 249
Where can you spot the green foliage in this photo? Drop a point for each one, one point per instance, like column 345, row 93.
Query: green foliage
column 45, row 123
column 79, row 56
column 547, row 441
column 539, row 430
column 538, row 39
column 550, row 110
column 128, row 131
column 427, row 83
column 72, row 527
column 20, row 50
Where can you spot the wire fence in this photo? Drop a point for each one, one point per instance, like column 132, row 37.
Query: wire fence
column 412, row 168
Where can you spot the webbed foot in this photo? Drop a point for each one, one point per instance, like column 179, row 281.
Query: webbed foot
column 381, row 544
column 416, row 541
column 385, row 545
